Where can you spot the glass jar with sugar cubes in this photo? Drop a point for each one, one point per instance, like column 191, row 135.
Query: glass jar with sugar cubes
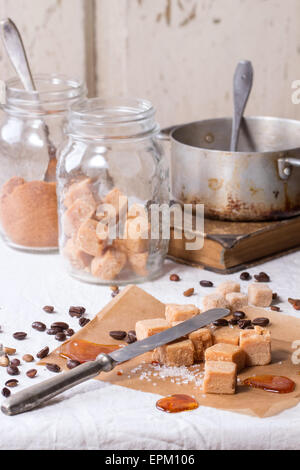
column 112, row 184
column 31, row 129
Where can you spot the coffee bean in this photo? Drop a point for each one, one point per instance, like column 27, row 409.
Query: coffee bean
column 60, row 337
column 118, row 335
column 12, row 370
column 11, row 383
column 54, row 331
column 39, row 326
column 76, row 311
column 261, row 321
column 4, row 361
column 53, row 368
column 20, row 335
column 274, row 296
column 239, row 315
column 233, row 321
column 48, row 308
column 243, row 324
column 31, row 373
column 83, row 321
column 206, row 284
column 221, row 322
column 131, row 337
column 28, row 358
column 43, row 353
column 249, row 327
column 60, row 324
column 70, row 332
column 9, row 351
column 15, row 362
column 115, row 293
column 114, row 288
column 5, row 392
column 189, row 292
column 245, row 276
column 174, row 278
column 275, row 308
column 262, row 277
column 295, row 303
column 71, row 364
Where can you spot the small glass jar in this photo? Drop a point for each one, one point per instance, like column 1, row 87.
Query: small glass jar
column 111, row 172
column 31, row 130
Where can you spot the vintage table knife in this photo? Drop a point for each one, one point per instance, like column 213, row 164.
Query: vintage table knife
column 33, row 396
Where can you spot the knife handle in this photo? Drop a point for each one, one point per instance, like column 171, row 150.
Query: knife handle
column 35, row 395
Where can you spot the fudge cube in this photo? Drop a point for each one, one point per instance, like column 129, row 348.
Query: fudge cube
column 138, row 262
column 109, row 265
column 214, row 301
column 76, row 214
column 78, row 258
column 257, row 346
column 146, row 328
column 228, row 286
column 259, row 295
column 201, row 339
column 11, row 184
column 82, row 191
column 226, row 335
column 175, row 312
column 176, row 354
column 220, row 377
column 236, row 300
column 87, row 239
column 136, row 235
column 118, row 201
column 227, row 353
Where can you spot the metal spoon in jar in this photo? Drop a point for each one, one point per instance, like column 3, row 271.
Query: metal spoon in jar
column 16, row 52
column 242, row 84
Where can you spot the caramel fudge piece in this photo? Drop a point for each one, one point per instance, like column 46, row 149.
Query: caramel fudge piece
column 236, row 300
column 138, row 262
column 78, row 258
column 109, row 265
column 11, row 184
column 220, row 377
column 136, row 235
column 226, row 335
column 201, row 339
column 146, row 328
column 227, row 353
column 214, row 301
column 87, row 239
column 175, row 312
column 76, row 214
column 257, row 346
column 259, row 295
column 227, row 287
column 81, row 191
column 176, row 354
column 118, row 201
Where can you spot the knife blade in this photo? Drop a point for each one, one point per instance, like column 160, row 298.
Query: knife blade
column 34, row 396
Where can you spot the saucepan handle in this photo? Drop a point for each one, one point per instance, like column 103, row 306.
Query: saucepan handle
column 285, row 166
column 165, row 133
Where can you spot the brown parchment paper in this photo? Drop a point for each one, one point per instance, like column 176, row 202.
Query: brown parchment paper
column 134, row 304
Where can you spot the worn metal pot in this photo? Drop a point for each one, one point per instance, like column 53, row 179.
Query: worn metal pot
column 261, row 181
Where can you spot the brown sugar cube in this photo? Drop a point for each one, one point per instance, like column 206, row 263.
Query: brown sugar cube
column 109, row 265
column 87, row 239
column 226, row 335
column 78, row 258
column 136, row 235
column 138, row 262
column 82, row 191
column 214, row 301
column 146, row 328
column 201, row 339
column 114, row 205
column 236, row 300
column 11, row 184
column 175, row 312
column 227, row 353
column 227, row 287
column 76, row 214
column 220, row 377
column 259, row 295
column 257, row 346
column 176, row 354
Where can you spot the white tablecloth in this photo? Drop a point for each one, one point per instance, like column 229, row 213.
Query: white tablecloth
column 100, row 416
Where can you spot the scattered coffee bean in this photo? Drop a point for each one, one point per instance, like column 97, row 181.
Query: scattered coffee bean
column 53, row 368
column 9, row 351
column 60, row 324
column 239, row 315
column 76, row 311
column 4, row 361
column 274, row 296
column 28, row 358
column 70, row 332
column 114, row 288
column 83, row 321
column 39, row 326
column 245, row 276
column 233, row 321
column 20, row 335
column 206, row 284
column 243, row 324
column 262, row 277
column 131, row 337
column 15, row 362
column 189, row 292
column 221, row 322
column 250, row 327
column 261, row 321
column 275, row 308
column 174, row 278
column 11, row 383
column 12, row 370
column 71, row 364
column 48, row 308
column 31, row 373
column 115, row 293
column 295, row 303
column 43, row 353
column 5, row 392
column 54, row 331
column 60, row 336
column 118, row 335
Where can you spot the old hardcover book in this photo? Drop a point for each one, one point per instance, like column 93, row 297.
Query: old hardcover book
column 232, row 246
